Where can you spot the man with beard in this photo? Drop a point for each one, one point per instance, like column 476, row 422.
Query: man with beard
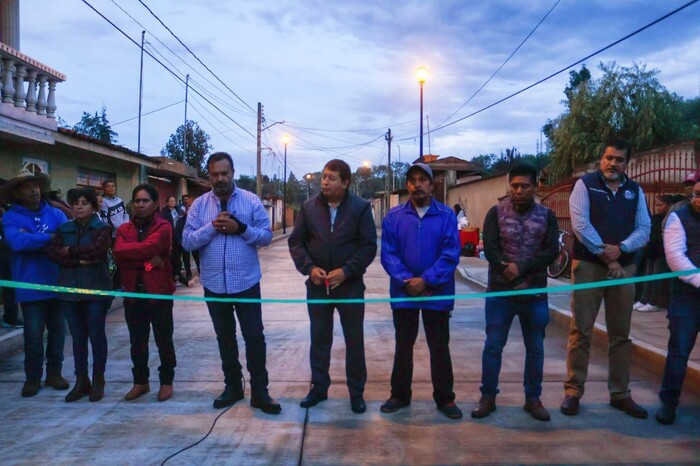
column 420, row 252
column 610, row 221
column 228, row 225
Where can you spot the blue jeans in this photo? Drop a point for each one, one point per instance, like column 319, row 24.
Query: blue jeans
column 86, row 320
column 534, row 317
column 223, row 316
column 684, row 324
column 39, row 316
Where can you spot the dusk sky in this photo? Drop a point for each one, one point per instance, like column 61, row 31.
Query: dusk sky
column 340, row 73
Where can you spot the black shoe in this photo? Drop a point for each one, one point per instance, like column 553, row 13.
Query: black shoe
column 629, row 407
column 13, row 324
column 312, row 399
column 358, row 405
column 57, row 382
column 450, row 410
column 666, row 413
column 393, row 404
column 229, row 397
column 569, row 406
column 265, row 403
column 486, row 405
column 536, row 410
column 31, row 388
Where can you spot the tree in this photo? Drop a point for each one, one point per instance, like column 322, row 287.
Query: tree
column 96, row 126
column 628, row 102
column 197, row 146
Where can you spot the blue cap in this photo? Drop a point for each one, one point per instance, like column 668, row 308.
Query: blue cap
column 422, row 167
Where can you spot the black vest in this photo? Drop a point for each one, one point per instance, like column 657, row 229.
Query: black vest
column 691, row 224
column 612, row 215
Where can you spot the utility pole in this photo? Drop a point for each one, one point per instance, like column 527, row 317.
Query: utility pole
column 138, row 145
column 184, row 148
column 258, row 176
column 389, row 180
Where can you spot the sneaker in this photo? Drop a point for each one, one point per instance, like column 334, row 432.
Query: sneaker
column 638, row 305
column 451, row 410
column 648, row 308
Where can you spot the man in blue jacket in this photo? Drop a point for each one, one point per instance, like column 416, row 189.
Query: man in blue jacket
column 29, row 225
column 333, row 242
column 420, row 252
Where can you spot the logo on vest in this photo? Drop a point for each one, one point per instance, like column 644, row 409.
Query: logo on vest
column 629, row 194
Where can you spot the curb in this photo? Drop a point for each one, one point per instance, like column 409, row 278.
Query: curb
column 652, row 358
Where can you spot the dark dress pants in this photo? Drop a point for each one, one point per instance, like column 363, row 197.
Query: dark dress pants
column 437, row 332
column 86, row 320
column 141, row 315
column 223, row 316
column 352, row 318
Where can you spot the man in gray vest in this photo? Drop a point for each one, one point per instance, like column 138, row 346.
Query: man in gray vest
column 682, row 247
column 610, row 221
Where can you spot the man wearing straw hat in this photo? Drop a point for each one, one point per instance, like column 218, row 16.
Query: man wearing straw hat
column 29, row 225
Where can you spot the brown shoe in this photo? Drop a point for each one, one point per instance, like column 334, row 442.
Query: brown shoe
column 57, row 382
column 486, row 405
column 82, row 387
column 569, row 406
column 137, row 390
column 629, row 407
column 31, row 388
column 98, row 387
column 165, row 392
column 535, row 408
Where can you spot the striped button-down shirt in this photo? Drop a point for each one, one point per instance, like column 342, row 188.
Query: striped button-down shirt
column 228, row 263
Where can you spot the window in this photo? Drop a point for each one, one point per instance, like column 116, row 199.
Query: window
column 35, row 166
column 93, row 178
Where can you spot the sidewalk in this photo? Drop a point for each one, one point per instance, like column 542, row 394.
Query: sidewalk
column 649, row 332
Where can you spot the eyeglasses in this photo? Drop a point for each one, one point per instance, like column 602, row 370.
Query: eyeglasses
column 695, row 195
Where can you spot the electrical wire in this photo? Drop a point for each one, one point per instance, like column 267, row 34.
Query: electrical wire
column 195, row 56
column 622, row 39
column 502, row 65
column 237, row 109
column 148, row 113
column 166, row 68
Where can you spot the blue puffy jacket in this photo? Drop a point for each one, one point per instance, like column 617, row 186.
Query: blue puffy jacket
column 426, row 248
column 28, row 233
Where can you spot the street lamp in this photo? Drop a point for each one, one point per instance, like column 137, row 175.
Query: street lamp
column 421, row 73
column 308, row 177
column 366, row 171
column 285, row 140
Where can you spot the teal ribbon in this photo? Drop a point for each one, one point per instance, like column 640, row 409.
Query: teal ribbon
column 490, row 294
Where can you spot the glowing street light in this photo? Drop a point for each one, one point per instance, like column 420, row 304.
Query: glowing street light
column 421, row 74
column 308, row 177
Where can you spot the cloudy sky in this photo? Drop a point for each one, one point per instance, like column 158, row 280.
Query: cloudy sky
column 339, row 73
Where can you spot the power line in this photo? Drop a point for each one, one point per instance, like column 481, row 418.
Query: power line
column 148, row 113
column 166, row 68
column 502, row 65
column 194, row 55
column 172, row 52
column 634, row 33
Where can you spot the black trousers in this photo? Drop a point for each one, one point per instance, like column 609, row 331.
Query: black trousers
column 140, row 315
column 437, row 333
column 352, row 318
column 223, row 316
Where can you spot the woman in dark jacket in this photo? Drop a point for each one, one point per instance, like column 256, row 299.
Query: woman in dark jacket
column 80, row 249
column 142, row 254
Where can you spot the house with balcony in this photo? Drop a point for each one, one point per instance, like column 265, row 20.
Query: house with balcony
column 31, row 139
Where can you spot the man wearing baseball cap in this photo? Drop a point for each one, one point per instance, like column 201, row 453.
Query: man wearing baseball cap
column 420, row 252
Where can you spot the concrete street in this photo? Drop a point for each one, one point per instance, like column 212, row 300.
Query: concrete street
column 46, row 430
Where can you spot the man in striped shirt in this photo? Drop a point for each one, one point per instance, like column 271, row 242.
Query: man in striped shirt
column 228, row 225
